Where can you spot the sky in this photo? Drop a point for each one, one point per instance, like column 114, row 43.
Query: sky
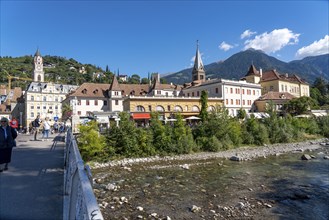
column 141, row 37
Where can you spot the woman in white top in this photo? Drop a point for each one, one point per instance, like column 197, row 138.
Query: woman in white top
column 46, row 129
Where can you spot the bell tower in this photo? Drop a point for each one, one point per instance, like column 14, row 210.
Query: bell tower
column 38, row 73
column 198, row 73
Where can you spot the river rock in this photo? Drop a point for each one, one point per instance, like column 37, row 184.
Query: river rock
column 235, row 158
column 195, row 208
column 326, row 157
column 306, row 157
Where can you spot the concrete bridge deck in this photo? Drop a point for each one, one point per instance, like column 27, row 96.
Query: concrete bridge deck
column 32, row 188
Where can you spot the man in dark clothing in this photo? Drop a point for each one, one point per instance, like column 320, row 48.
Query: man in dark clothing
column 7, row 142
column 36, row 126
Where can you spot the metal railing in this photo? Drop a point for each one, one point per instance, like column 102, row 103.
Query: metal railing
column 79, row 198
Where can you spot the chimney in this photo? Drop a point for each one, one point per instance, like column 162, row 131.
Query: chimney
column 286, row 75
column 260, row 73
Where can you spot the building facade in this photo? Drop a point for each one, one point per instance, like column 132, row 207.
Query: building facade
column 43, row 98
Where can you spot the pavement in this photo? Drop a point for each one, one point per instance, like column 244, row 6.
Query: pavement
column 32, row 187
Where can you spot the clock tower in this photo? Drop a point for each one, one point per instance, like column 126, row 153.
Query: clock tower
column 38, row 73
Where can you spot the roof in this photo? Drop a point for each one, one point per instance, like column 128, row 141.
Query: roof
column 253, row 71
column 274, row 75
column 276, row 96
column 115, row 84
column 198, row 61
column 37, row 53
column 96, row 90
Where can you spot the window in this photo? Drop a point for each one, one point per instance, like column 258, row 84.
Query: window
column 231, row 90
column 253, row 92
column 32, row 106
column 195, row 108
column 79, row 102
column 231, row 101
column 44, row 107
column 197, row 93
column 150, row 108
column 56, row 99
column 211, row 108
column 32, row 98
column 45, row 98
column 32, row 114
column 116, row 102
column 158, row 92
column 159, row 108
column 61, row 99
column 168, row 107
column 242, row 91
column 140, row 108
column 216, row 90
column 38, row 107
column 56, row 107
column 87, row 102
column 271, row 88
column 177, row 108
column 105, row 102
column 79, row 112
column 282, row 88
column 116, row 93
column 243, row 102
column 192, row 94
column 96, row 102
column 226, row 101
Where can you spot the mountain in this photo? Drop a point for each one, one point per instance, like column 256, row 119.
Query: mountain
column 236, row 67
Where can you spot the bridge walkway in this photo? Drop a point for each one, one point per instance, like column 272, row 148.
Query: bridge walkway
column 32, row 187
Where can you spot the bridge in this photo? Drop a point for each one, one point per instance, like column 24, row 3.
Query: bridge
column 47, row 180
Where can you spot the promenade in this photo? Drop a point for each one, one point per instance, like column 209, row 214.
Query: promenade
column 32, row 188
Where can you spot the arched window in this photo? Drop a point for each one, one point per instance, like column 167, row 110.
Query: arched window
column 140, row 108
column 211, row 108
column 178, row 108
column 195, row 108
column 159, row 108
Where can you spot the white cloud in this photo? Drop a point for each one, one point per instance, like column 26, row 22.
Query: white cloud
column 247, row 33
column 316, row 48
column 273, row 41
column 225, row 46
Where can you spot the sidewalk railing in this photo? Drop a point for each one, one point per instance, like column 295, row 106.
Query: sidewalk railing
column 79, row 198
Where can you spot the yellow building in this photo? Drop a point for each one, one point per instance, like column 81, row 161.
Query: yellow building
column 140, row 107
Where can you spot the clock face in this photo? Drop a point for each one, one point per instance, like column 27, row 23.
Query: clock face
column 39, row 59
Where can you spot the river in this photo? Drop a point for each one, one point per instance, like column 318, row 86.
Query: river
column 276, row 187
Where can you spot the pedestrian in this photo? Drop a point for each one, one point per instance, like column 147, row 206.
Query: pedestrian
column 7, row 142
column 46, row 129
column 14, row 123
column 56, row 127
column 36, row 125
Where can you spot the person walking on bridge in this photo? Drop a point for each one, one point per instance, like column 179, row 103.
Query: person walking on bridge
column 36, row 125
column 7, row 142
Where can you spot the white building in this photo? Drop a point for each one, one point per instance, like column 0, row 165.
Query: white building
column 235, row 94
column 44, row 98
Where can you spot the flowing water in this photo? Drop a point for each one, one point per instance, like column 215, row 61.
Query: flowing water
column 276, row 187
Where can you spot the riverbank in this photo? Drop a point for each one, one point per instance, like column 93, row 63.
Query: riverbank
column 272, row 182
column 238, row 154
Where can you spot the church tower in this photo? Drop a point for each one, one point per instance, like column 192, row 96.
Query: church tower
column 198, row 73
column 38, row 73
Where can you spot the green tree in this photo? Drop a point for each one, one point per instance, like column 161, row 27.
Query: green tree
column 91, row 143
column 241, row 114
column 300, row 105
column 134, row 79
column 204, row 105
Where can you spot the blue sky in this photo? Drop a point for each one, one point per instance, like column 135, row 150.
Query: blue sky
column 138, row 37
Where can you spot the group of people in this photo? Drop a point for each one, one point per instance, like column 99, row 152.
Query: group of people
column 45, row 127
column 8, row 135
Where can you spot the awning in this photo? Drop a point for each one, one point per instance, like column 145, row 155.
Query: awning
column 103, row 119
column 140, row 115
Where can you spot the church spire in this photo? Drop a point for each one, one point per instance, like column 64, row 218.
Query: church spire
column 198, row 73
